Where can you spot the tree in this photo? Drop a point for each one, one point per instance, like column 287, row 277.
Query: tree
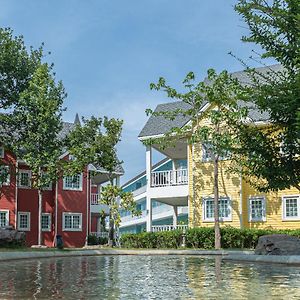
column 95, row 142
column 39, row 110
column 17, row 66
column 271, row 157
column 220, row 135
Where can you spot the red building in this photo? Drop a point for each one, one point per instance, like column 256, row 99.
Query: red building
column 70, row 206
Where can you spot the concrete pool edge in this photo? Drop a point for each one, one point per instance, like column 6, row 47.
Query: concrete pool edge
column 227, row 255
column 19, row 255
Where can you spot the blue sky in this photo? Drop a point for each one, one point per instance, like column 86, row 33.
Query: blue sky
column 107, row 52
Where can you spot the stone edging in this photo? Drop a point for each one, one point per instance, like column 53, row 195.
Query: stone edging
column 227, row 255
column 17, row 255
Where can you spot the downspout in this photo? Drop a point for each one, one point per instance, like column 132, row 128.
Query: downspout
column 87, row 208
column 90, row 197
column 241, row 202
column 56, row 212
column 16, row 197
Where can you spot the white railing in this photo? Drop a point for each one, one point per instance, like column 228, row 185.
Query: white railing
column 95, row 199
column 169, row 178
column 100, row 234
column 158, row 228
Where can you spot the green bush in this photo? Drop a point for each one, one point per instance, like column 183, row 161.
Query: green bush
column 94, row 240
column 201, row 237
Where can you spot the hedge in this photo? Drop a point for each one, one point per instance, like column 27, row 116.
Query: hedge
column 94, row 240
column 202, row 237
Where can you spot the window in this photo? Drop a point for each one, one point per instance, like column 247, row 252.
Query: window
column 72, row 157
column 4, row 218
column 46, row 222
column 49, row 186
column 257, row 209
column 24, row 221
column 1, row 152
column 24, row 179
column 73, row 182
column 291, row 207
column 72, row 221
column 224, row 209
column 207, row 153
column 4, row 175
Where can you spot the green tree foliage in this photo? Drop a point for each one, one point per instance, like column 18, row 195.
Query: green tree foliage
column 221, row 94
column 40, row 111
column 95, row 142
column 272, row 156
column 17, row 66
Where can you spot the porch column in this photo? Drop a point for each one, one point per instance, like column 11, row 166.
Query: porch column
column 149, row 214
column 148, row 193
column 175, row 215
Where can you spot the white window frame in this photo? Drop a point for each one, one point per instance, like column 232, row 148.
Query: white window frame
column 19, row 179
column 49, row 187
column 263, row 218
column 205, row 152
column 284, row 217
column 221, row 219
column 29, row 220
column 66, row 188
column 8, row 175
column 1, row 152
column 6, row 211
column 49, row 222
column 72, row 214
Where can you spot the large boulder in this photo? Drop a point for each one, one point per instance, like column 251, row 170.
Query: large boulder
column 11, row 237
column 278, row 244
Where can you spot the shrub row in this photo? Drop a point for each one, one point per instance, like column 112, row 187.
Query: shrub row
column 94, row 240
column 202, row 237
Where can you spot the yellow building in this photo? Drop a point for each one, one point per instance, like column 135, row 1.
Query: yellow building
column 240, row 204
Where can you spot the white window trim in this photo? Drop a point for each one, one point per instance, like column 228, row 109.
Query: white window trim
column 7, row 183
column 1, row 152
column 50, row 223
column 204, row 219
column 65, row 188
column 7, row 217
column 19, row 179
column 29, row 220
column 284, row 217
column 264, row 218
column 72, row 214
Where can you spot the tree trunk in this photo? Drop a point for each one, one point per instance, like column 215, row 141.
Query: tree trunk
column 40, row 193
column 111, row 232
column 216, row 203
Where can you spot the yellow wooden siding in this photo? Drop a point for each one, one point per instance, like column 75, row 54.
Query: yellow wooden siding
column 230, row 185
column 274, row 209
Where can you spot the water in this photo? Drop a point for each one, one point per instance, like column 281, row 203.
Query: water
column 146, row 277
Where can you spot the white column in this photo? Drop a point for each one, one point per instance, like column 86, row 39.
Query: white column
column 175, row 215
column 148, row 193
column 118, row 181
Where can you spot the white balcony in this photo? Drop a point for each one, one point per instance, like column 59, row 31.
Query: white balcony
column 96, row 206
column 169, row 178
column 159, row 228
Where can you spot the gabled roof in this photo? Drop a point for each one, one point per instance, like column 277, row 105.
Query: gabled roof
column 159, row 125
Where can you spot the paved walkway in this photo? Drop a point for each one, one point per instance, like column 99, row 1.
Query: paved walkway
column 231, row 255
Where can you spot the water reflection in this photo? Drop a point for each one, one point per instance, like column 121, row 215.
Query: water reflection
column 146, row 277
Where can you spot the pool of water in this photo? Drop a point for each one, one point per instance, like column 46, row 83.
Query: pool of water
column 146, row 277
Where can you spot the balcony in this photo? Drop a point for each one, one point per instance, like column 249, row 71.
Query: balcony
column 159, row 228
column 170, row 187
column 169, row 178
column 96, row 206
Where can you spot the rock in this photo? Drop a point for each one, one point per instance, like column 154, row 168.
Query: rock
column 278, row 244
column 9, row 237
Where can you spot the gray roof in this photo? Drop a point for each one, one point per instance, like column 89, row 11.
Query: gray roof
column 66, row 129
column 160, row 125
column 119, row 169
column 157, row 125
